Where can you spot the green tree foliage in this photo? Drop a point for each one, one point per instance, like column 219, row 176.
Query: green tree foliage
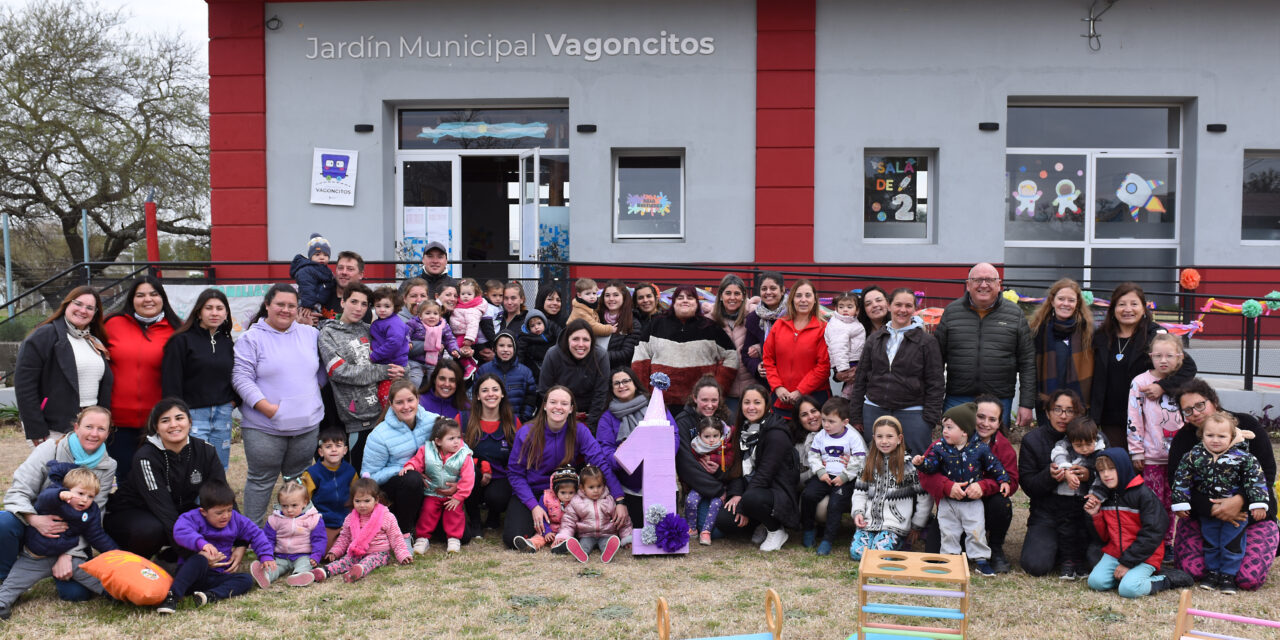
column 93, row 117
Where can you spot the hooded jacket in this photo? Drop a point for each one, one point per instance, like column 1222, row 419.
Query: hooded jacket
column 1131, row 522
column 533, row 348
column 988, row 354
column 297, row 537
column 87, row 523
column 776, row 467
column 913, row 378
column 587, row 518
column 521, row 386
column 197, row 367
column 165, row 483
column 796, row 359
column 353, row 377
column 316, row 283
column 845, row 338
column 282, row 367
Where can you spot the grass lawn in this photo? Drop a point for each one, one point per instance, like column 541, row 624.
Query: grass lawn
column 487, row 592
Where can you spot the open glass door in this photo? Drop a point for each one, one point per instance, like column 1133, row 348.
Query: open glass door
column 428, row 204
column 526, row 247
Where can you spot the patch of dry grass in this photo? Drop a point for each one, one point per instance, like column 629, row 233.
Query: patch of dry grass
column 488, row 592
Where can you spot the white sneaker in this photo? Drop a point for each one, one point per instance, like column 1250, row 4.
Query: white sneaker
column 774, row 540
column 759, row 535
column 455, row 545
column 421, row 545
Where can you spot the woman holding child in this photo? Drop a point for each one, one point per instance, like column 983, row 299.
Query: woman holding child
column 168, row 470
column 1040, row 478
column 85, row 446
column 1198, row 401
column 392, row 443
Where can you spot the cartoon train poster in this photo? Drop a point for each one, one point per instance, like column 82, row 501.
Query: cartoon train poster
column 333, row 177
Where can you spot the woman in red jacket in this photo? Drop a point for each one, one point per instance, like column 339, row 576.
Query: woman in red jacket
column 136, row 335
column 795, row 353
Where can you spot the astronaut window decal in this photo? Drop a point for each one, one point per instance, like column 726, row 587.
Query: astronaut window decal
column 1136, row 198
column 1045, row 196
column 896, row 196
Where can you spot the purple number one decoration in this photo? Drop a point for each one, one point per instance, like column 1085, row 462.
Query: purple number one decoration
column 651, row 448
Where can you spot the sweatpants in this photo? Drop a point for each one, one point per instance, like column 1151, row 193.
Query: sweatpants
column 998, row 512
column 838, row 499
column 1134, row 584
column 368, row 561
column 957, row 519
column 433, row 511
column 494, row 497
column 269, row 456
column 297, row 566
column 876, row 540
column 405, row 495
column 28, row 570
column 195, row 574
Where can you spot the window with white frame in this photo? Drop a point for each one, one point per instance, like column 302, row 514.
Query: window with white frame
column 1260, row 205
column 648, row 190
column 895, row 195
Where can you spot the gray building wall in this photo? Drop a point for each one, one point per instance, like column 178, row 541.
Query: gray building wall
column 923, row 74
column 703, row 103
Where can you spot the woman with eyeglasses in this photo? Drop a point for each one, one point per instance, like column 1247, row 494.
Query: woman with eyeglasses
column 63, row 367
column 1040, row 477
column 628, row 400
column 1063, row 335
column 1197, row 401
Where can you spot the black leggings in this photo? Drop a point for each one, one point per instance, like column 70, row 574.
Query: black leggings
column 494, row 496
column 998, row 511
column 136, row 531
column 519, row 522
column 757, row 506
column 405, row 495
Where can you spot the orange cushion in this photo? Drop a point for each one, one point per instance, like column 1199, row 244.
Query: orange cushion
column 128, row 576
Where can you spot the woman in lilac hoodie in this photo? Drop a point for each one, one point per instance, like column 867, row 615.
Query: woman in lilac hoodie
column 278, row 375
column 553, row 439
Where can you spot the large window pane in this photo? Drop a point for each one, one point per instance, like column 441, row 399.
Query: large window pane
column 1154, row 269
column 1031, row 270
column 1260, row 209
column 484, row 128
column 648, row 196
column 1136, row 198
column 1107, row 127
column 1044, row 197
column 896, row 194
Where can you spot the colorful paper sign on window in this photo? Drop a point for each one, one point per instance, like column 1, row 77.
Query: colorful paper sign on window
column 647, row 204
column 896, row 194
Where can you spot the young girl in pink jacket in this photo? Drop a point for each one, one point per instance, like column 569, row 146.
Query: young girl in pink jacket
column 1153, row 423
column 370, row 535
column 588, row 521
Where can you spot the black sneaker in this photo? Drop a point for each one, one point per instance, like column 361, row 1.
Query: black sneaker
column 1210, row 581
column 1226, row 584
column 999, row 562
column 1158, row 584
column 1068, row 572
column 202, row 598
column 169, row 605
column 1178, row 579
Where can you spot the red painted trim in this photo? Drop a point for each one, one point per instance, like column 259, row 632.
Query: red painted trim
column 786, row 47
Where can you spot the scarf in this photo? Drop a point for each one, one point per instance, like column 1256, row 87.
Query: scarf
column 747, row 440
column 768, row 316
column 610, row 317
column 362, row 535
column 82, row 457
column 629, row 414
column 471, row 304
column 895, row 339
column 433, row 342
column 1062, row 360
column 87, row 336
column 146, row 322
column 703, row 448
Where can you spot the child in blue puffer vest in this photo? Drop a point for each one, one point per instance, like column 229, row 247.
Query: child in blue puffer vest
column 329, row 482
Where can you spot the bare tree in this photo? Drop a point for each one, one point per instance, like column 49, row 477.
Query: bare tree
column 93, row 117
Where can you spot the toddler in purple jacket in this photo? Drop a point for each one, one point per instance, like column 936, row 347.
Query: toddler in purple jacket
column 388, row 335
column 210, row 532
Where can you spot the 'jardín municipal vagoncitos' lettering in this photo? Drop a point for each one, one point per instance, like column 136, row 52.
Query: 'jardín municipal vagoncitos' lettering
column 590, row 49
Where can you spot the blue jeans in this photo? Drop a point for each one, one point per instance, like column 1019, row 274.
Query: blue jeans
column 213, row 425
column 915, row 433
column 1136, row 583
column 1223, row 545
column 11, row 531
column 955, row 401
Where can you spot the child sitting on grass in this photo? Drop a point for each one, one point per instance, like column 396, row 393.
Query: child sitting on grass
column 564, row 485
column 211, row 531
column 588, row 523
column 369, row 536
column 70, row 496
column 296, row 531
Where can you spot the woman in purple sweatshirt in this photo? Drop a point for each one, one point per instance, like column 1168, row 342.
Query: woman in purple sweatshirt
column 278, row 375
column 551, row 440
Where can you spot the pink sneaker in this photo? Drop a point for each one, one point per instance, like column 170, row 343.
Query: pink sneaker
column 301, row 579
column 610, row 548
column 354, row 574
column 704, row 538
column 259, row 575
column 575, row 549
column 319, row 574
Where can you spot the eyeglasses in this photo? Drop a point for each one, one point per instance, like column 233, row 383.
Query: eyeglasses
column 984, row 280
column 625, row 382
column 87, row 307
column 1062, row 411
column 1195, row 408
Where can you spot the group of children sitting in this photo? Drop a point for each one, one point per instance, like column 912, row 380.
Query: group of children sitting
column 579, row 508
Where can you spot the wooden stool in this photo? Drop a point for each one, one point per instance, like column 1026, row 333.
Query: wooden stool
column 950, row 570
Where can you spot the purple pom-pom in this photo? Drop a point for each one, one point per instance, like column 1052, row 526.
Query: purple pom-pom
column 672, row 533
column 659, row 381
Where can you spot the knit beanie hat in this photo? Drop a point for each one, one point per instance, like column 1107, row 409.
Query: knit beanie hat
column 318, row 243
column 965, row 416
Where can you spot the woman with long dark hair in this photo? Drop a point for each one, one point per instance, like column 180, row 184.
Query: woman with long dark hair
column 489, row 429
column 796, row 362
column 577, row 364
column 197, row 369
column 765, row 487
column 136, row 336
column 644, row 299
column 63, row 367
column 445, row 392
column 731, row 312
column 615, row 310
column 628, row 401
column 873, row 313
column 771, row 287
column 550, row 301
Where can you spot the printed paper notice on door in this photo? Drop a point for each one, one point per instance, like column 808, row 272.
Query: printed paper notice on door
column 438, row 224
column 333, row 177
column 415, row 222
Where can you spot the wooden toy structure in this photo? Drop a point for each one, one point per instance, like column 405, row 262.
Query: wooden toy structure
column 884, row 572
column 772, row 620
column 1187, row 616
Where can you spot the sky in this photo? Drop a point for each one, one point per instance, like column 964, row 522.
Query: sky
column 188, row 17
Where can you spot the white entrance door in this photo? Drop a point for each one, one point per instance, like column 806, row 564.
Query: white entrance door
column 526, row 247
column 429, row 207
